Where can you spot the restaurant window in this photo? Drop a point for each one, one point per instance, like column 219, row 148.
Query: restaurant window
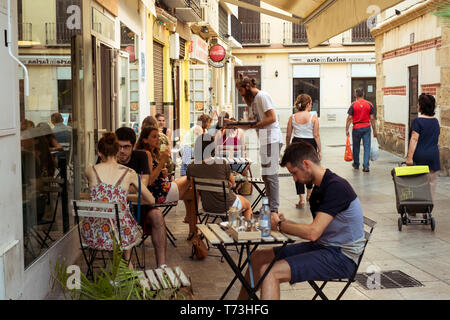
column 310, row 86
column 46, row 124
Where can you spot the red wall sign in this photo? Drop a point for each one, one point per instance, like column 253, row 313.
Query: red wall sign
column 217, row 53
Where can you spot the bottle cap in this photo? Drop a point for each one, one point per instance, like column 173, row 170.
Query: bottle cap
column 265, row 200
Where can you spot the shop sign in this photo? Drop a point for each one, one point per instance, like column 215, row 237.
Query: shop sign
column 199, row 49
column 332, row 58
column 46, row 60
column 217, row 53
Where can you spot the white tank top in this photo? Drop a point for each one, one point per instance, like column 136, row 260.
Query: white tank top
column 305, row 130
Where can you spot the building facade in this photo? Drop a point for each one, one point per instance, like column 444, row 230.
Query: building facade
column 412, row 58
column 276, row 53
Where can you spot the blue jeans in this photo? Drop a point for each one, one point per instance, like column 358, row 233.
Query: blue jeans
column 357, row 135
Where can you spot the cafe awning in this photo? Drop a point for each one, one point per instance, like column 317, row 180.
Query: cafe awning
column 324, row 19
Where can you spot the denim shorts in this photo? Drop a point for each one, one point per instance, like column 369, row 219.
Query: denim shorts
column 312, row 261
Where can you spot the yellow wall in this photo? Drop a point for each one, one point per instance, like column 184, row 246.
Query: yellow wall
column 184, row 103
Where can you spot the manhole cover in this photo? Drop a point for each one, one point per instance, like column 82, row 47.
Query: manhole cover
column 393, row 279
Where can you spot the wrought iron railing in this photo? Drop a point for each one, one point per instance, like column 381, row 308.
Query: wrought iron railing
column 256, row 33
column 361, row 33
column 25, row 32
column 195, row 6
column 294, row 33
column 59, row 34
column 236, row 29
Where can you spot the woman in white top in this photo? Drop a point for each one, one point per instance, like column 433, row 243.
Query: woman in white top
column 304, row 126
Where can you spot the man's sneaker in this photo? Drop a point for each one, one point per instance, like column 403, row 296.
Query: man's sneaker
column 355, row 167
column 366, row 170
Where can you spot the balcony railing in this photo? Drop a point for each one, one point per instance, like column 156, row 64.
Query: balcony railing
column 361, row 33
column 236, row 29
column 294, row 34
column 256, row 33
column 195, row 6
column 59, row 34
column 25, row 32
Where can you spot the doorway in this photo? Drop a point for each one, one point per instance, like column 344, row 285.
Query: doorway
column 369, row 87
column 311, row 87
column 413, row 93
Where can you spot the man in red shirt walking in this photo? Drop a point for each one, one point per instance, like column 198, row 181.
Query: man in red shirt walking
column 361, row 114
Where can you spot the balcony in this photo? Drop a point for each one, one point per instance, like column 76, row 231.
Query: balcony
column 209, row 25
column 59, row 34
column 25, row 32
column 186, row 10
column 294, row 34
column 360, row 35
column 255, row 34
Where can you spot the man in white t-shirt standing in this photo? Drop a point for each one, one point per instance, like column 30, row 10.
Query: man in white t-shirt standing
column 269, row 135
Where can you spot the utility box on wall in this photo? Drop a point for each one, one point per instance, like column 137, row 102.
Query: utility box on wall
column 174, row 46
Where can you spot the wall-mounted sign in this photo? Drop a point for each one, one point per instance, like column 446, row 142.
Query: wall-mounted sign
column 217, row 53
column 199, row 49
column 332, row 58
column 46, row 60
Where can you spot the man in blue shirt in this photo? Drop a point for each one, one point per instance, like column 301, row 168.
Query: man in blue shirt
column 336, row 234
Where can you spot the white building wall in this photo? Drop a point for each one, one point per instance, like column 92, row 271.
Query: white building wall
column 11, row 226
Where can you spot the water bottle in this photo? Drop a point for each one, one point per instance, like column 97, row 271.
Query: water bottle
column 264, row 218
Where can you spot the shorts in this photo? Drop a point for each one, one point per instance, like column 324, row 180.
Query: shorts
column 237, row 204
column 311, row 261
column 174, row 194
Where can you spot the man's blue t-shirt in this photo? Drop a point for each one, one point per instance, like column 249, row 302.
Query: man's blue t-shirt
column 336, row 197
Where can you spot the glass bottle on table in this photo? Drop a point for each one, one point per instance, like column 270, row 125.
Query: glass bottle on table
column 264, row 218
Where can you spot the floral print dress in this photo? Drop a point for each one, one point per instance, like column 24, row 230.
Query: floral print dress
column 98, row 233
column 160, row 187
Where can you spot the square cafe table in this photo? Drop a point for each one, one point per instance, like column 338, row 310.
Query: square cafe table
column 220, row 239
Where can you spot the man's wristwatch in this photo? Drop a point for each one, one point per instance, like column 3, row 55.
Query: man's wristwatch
column 279, row 225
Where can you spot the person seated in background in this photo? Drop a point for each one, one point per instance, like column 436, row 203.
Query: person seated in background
column 160, row 186
column 47, row 132
column 109, row 181
column 162, row 127
column 61, row 131
column 202, row 168
column 150, row 121
column 152, row 218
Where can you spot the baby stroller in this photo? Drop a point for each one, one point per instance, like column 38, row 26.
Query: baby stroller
column 413, row 195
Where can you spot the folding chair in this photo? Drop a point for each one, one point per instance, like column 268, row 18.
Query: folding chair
column 368, row 224
column 94, row 209
column 211, row 185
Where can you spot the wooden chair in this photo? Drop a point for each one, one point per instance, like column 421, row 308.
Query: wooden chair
column 94, row 209
column 369, row 225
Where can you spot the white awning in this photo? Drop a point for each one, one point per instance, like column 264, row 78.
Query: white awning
column 324, row 19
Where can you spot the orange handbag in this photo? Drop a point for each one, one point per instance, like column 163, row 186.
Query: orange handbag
column 348, row 151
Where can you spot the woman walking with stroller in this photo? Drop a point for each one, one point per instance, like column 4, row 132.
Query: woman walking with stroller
column 304, row 126
column 423, row 146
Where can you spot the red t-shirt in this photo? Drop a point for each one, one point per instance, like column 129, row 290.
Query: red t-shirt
column 361, row 111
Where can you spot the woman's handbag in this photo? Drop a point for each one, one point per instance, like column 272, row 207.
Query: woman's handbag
column 348, row 156
column 246, row 188
column 199, row 249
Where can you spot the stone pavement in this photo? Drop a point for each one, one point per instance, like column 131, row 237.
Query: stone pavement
column 417, row 251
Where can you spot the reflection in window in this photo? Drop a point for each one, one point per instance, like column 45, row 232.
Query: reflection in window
column 46, row 121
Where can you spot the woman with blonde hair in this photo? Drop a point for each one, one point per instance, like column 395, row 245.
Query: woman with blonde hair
column 304, row 126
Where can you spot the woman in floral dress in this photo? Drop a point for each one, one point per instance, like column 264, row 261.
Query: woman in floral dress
column 109, row 182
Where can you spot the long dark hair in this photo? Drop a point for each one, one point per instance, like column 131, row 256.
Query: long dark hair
column 141, row 145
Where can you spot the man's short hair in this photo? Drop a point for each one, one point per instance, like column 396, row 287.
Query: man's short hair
column 297, row 152
column 126, row 134
column 359, row 92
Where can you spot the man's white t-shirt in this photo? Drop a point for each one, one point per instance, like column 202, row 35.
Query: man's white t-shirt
column 270, row 133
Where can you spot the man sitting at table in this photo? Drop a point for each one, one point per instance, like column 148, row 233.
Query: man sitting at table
column 204, row 166
column 336, row 234
column 152, row 217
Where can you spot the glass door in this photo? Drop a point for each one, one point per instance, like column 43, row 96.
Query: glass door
column 124, row 84
column 197, row 87
column 310, row 86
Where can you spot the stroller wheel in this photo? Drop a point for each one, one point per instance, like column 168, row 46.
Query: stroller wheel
column 400, row 224
column 433, row 224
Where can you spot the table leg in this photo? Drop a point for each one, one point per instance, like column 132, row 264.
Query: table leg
column 237, row 271
column 235, row 277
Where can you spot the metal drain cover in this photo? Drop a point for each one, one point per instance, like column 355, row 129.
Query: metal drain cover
column 393, row 279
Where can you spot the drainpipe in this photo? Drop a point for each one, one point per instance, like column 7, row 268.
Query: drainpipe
column 9, row 45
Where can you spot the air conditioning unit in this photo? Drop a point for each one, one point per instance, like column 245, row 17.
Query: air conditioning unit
column 174, row 46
